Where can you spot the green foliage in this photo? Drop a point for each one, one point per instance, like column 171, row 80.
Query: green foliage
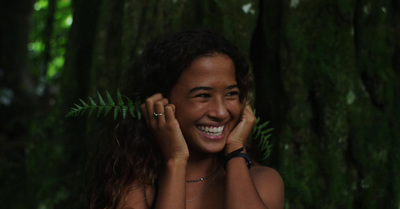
column 262, row 134
column 48, row 38
column 124, row 105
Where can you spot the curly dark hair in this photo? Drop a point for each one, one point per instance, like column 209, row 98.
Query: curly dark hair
column 133, row 156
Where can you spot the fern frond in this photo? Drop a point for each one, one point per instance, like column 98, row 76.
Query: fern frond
column 119, row 99
column 124, row 110
column 101, row 100
column 260, row 138
column 123, row 105
column 131, row 108
column 110, row 99
column 110, row 105
column 102, row 104
column 93, row 104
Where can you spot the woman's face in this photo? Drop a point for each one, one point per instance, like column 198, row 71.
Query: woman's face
column 206, row 97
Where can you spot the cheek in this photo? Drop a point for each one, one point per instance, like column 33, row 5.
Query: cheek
column 184, row 111
column 235, row 108
column 189, row 112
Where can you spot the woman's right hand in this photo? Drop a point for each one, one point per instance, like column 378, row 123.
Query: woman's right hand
column 165, row 128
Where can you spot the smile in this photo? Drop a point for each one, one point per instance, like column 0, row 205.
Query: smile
column 211, row 130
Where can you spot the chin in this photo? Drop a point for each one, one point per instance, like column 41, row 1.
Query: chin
column 208, row 147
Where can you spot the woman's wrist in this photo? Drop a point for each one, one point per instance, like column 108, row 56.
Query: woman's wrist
column 238, row 153
column 176, row 162
column 232, row 147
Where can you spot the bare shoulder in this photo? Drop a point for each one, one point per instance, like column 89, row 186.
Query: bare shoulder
column 269, row 185
column 137, row 197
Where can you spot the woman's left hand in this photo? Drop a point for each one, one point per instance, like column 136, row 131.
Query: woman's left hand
column 239, row 135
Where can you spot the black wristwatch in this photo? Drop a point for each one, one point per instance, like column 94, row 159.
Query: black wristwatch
column 238, row 153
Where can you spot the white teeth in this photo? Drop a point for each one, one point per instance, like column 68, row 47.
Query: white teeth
column 209, row 130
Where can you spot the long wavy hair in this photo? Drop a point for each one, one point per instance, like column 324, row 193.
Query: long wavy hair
column 132, row 158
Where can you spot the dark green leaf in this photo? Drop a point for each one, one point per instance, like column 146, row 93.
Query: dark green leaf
column 101, row 100
column 110, row 100
column 119, row 99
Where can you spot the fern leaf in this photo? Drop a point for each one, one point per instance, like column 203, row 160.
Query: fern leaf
column 131, row 107
column 123, row 105
column 124, row 110
column 77, row 106
column 260, row 138
column 119, row 99
column 72, row 112
column 255, row 126
column 101, row 100
column 258, row 133
column 93, row 106
column 92, row 102
column 110, row 100
column 116, row 110
column 263, row 125
column 84, row 103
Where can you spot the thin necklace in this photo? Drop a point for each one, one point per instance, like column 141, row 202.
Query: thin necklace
column 202, row 178
column 204, row 189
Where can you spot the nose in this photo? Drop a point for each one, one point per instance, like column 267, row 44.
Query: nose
column 218, row 110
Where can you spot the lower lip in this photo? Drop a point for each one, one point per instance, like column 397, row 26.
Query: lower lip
column 214, row 138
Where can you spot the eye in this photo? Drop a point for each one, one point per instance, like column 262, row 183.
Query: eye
column 232, row 93
column 203, row 95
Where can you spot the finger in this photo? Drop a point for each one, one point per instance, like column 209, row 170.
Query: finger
column 164, row 101
column 150, row 105
column 250, row 114
column 170, row 112
column 159, row 107
column 250, row 109
column 159, row 112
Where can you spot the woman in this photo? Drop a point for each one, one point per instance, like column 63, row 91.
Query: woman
column 190, row 149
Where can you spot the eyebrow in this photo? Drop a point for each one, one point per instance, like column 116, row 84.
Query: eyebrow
column 198, row 88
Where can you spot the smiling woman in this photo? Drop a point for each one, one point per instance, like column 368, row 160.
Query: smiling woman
column 206, row 97
column 197, row 121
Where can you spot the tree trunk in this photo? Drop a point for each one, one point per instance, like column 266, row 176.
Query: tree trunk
column 59, row 148
column 327, row 75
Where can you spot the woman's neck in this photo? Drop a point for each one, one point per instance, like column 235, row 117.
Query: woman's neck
column 200, row 167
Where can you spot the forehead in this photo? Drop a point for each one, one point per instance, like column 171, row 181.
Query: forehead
column 210, row 68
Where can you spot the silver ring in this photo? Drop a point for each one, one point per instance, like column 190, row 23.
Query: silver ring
column 157, row 114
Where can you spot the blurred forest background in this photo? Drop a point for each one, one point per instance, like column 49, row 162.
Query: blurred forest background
column 327, row 75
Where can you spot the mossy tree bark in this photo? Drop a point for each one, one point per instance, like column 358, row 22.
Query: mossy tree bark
column 125, row 26
column 331, row 90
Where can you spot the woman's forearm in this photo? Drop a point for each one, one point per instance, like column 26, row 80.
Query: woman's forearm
column 171, row 188
column 240, row 189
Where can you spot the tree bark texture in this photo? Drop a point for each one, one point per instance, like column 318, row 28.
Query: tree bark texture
column 125, row 26
column 329, row 83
